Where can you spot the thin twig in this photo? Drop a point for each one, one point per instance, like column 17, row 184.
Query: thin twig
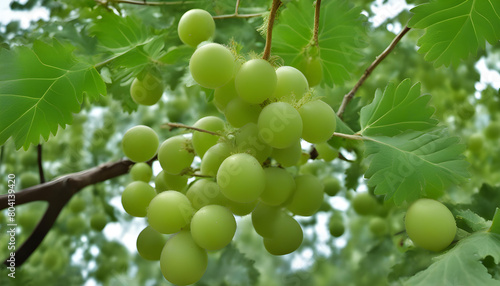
column 343, row 158
column 348, row 97
column 144, row 3
column 348, row 136
column 40, row 164
column 236, row 14
column 316, row 22
column 180, row 125
column 269, row 36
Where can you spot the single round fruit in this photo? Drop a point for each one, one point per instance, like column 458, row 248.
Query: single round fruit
column 212, row 65
column 280, row 125
column 202, row 141
column 241, row 178
column 364, row 204
column 290, row 82
column 241, row 209
column 336, row 226
column 141, row 172
column 308, row 195
column 430, row 224
column 288, row 157
column 224, row 94
column 287, row 237
column 332, row 186
column 213, row 227
column 265, row 218
column 205, row 192
column 247, row 141
column 476, row 143
column 280, row 185
column 492, row 131
column 196, row 26
column 312, row 70
column 175, row 154
column 150, row 243
column 77, row 204
column 169, row 212
column 212, row 159
column 174, row 182
column 140, row 143
column 255, row 81
column 326, row 151
column 147, row 90
column 318, row 121
column 182, row 261
column 98, row 221
column 28, row 179
column 238, row 112
column 378, row 226
column 136, row 198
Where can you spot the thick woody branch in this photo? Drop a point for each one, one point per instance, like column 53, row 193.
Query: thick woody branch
column 348, row 97
column 57, row 193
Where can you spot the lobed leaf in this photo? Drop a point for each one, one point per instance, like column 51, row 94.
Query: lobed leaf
column 43, row 88
column 340, row 37
column 397, row 109
column 462, row 264
column 414, row 164
column 456, row 28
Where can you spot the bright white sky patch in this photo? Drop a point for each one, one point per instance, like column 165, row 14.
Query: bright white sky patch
column 24, row 17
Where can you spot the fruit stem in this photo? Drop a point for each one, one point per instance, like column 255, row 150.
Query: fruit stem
column 316, row 22
column 348, row 97
column 347, row 136
column 269, row 36
column 180, row 125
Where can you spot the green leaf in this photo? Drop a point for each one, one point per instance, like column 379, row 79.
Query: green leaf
column 495, row 226
column 232, row 268
column 398, row 109
column 117, row 34
column 456, row 28
column 485, row 202
column 43, row 88
column 473, row 220
column 127, row 43
column 462, row 264
column 340, row 37
column 414, row 164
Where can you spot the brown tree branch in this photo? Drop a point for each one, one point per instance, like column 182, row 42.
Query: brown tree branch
column 57, row 193
column 348, row 97
column 269, row 36
column 40, row 165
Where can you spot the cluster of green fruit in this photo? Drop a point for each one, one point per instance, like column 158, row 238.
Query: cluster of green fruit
column 243, row 161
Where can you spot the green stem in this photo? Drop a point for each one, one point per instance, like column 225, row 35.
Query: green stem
column 269, row 36
column 495, row 226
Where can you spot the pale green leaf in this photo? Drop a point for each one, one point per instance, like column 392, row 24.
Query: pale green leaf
column 43, row 88
column 414, row 164
column 456, row 28
column 397, row 109
column 462, row 264
column 340, row 37
column 473, row 220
